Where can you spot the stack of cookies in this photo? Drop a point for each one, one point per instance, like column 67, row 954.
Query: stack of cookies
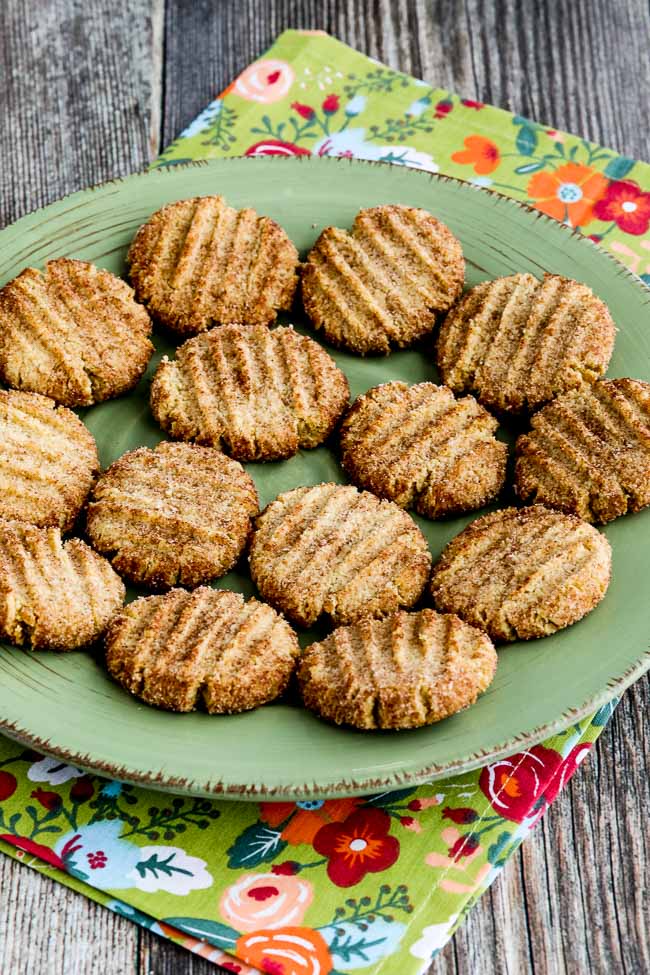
column 241, row 388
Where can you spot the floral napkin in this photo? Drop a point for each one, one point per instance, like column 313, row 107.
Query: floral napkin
column 375, row 884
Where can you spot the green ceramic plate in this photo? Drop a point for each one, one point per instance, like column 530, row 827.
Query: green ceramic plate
column 66, row 705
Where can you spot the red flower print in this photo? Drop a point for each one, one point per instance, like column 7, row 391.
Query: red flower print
column 627, row 205
column 8, row 785
column 358, row 846
column 331, row 104
column 517, row 785
column 481, row 153
column 82, row 790
column 566, row 770
column 468, row 103
column 276, row 147
column 462, row 815
column 97, row 860
column 305, row 111
column 304, row 819
column 48, row 800
column 463, row 847
column 443, row 108
column 36, row 849
column 285, row 869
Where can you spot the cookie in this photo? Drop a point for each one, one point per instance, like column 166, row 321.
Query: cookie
column 54, row 595
column 48, row 461
column 73, row 332
column 178, row 514
column 255, row 393
column 421, row 448
column 330, row 549
column 405, row 671
column 521, row 573
column 517, row 342
column 206, row 649
column 199, row 262
column 588, row 452
column 381, row 285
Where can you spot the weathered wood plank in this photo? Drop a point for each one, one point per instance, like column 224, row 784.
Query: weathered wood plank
column 45, row 927
column 80, row 96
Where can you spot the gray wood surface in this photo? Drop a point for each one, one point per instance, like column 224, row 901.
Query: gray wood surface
column 91, row 89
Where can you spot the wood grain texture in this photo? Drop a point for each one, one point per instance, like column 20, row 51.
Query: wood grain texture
column 90, row 90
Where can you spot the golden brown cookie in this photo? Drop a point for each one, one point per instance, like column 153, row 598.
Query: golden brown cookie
column 521, row 573
column 256, row 393
column 48, row 461
column 517, row 342
column 73, row 332
column 178, row 514
column 381, row 284
column 330, row 549
column 54, row 595
column 588, row 452
column 209, row 648
column 421, row 448
column 199, row 262
column 405, row 671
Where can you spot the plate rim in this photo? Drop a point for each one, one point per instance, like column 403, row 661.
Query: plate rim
column 416, row 772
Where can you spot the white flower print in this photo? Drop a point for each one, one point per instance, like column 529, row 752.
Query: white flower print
column 170, row 869
column 53, row 771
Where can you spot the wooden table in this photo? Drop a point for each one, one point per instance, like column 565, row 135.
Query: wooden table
column 93, row 89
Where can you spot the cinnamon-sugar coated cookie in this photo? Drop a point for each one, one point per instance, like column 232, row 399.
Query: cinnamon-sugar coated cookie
column 521, row 573
column 199, row 262
column 48, row 461
column 421, row 448
column 404, row 671
column 257, row 394
column 335, row 551
column 54, row 595
column 517, row 342
column 588, row 452
column 381, row 285
column 209, row 648
column 178, row 514
column 73, row 332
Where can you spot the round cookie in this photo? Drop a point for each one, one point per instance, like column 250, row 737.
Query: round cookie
column 588, row 452
column 209, row 648
column 256, row 393
column 178, row 514
column 330, row 549
column 521, row 573
column 199, row 262
column 517, row 342
column 382, row 284
column 73, row 332
column 48, row 461
column 421, row 448
column 405, row 671
column 54, row 595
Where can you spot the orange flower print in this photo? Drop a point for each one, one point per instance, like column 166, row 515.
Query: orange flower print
column 480, row 152
column 569, row 194
column 285, row 951
column 306, row 818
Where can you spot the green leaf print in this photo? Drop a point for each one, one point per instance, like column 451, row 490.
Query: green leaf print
column 619, row 167
column 257, row 844
column 526, row 141
column 219, row 935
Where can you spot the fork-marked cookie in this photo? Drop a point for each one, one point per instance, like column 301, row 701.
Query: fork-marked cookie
column 209, row 648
